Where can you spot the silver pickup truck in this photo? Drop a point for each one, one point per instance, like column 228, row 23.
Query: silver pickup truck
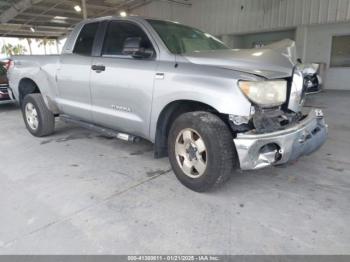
column 209, row 108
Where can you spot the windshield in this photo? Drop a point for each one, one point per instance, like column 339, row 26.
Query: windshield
column 184, row 39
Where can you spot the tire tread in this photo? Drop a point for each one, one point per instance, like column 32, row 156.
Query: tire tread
column 211, row 126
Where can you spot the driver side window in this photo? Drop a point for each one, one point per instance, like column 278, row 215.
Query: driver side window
column 86, row 39
column 119, row 34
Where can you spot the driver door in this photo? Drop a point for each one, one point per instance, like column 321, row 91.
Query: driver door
column 73, row 76
column 122, row 85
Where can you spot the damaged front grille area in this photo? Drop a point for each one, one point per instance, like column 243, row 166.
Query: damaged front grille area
column 274, row 119
column 267, row 120
column 270, row 120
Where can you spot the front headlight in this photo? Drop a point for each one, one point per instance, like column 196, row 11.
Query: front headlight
column 265, row 93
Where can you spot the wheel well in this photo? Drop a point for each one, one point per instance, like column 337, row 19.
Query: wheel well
column 168, row 116
column 27, row 86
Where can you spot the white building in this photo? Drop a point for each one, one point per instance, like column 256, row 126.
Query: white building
column 321, row 28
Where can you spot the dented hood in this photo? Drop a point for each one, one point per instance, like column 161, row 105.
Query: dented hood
column 263, row 62
column 286, row 47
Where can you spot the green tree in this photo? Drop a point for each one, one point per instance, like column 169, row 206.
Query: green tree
column 7, row 49
column 19, row 49
column 44, row 43
column 29, row 43
column 10, row 50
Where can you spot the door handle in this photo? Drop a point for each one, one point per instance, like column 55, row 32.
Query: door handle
column 98, row 68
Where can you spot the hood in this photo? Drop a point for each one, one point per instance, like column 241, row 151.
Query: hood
column 285, row 47
column 263, row 62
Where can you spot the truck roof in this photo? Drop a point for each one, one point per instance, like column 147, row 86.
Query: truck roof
column 127, row 18
column 71, row 39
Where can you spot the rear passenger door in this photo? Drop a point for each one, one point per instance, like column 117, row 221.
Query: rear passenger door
column 73, row 76
column 122, row 90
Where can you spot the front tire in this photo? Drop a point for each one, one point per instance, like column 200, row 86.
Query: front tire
column 201, row 150
column 39, row 120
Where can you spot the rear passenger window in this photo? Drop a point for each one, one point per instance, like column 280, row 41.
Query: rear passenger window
column 85, row 40
column 120, row 32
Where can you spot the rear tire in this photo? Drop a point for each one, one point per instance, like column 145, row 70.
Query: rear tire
column 201, row 150
column 39, row 120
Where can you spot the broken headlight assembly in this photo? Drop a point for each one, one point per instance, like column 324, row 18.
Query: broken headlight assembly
column 265, row 94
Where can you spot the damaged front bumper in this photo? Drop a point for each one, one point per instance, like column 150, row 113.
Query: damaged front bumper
column 260, row 150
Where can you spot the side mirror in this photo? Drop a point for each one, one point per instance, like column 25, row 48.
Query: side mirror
column 133, row 46
column 143, row 54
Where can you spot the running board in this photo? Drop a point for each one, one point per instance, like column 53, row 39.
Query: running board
column 102, row 130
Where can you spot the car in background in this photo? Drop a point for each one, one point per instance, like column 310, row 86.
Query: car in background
column 4, row 84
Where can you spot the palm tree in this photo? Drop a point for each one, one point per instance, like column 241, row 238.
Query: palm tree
column 42, row 42
column 45, row 42
column 19, row 49
column 50, row 42
column 29, row 43
column 10, row 50
column 7, row 49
